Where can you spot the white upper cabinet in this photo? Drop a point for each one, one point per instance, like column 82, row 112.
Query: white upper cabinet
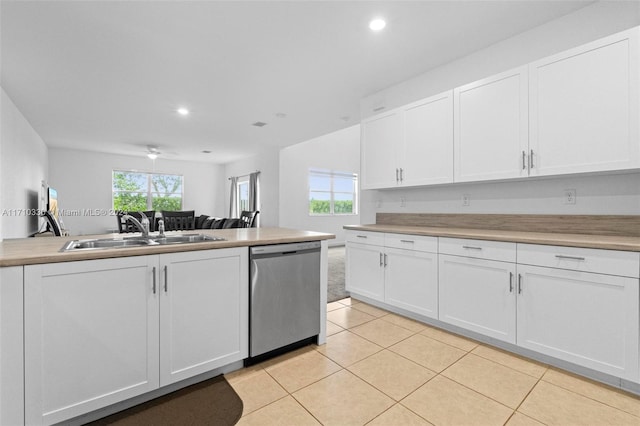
column 409, row 146
column 574, row 112
column 427, row 157
column 381, row 139
column 491, row 126
column 584, row 107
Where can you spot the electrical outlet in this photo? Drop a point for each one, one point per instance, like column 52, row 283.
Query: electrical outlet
column 403, row 202
column 569, row 196
column 466, row 199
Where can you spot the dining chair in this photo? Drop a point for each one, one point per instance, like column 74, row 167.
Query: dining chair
column 179, row 220
column 248, row 218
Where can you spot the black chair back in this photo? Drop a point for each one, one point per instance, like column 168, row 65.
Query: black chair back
column 179, row 221
column 128, row 226
column 248, row 218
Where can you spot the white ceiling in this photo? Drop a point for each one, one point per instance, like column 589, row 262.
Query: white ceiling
column 109, row 75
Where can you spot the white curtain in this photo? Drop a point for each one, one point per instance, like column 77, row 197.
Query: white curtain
column 254, row 195
column 233, row 200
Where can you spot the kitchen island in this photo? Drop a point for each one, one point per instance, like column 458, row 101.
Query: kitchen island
column 89, row 332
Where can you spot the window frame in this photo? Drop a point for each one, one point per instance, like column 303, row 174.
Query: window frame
column 239, row 201
column 149, row 190
column 332, row 174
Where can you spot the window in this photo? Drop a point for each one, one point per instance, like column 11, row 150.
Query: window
column 243, row 196
column 138, row 191
column 332, row 193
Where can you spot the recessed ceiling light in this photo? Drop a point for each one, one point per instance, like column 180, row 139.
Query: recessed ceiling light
column 377, row 24
column 281, row 115
column 259, row 124
column 206, row 151
column 183, row 111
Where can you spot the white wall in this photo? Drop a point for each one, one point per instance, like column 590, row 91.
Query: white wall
column 338, row 151
column 617, row 194
column 268, row 164
column 83, row 181
column 23, row 167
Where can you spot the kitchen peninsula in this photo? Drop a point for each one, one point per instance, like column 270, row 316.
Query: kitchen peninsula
column 87, row 329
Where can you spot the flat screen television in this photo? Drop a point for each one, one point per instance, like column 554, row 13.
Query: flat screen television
column 52, row 214
column 52, row 202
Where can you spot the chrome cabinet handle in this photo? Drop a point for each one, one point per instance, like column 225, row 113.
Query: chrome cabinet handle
column 510, row 282
column 407, row 241
column 519, row 283
column 531, row 160
column 471, row 248
column 397, row 174
column 524, row 164
column 165, row 278
column 361, row 236
column 385, row 260
column 401, row 174
column 154, row 280
column 561, row 256
column 381, row 262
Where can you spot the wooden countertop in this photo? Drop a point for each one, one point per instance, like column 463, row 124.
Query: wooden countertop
column 607, row 242
column 29, row 251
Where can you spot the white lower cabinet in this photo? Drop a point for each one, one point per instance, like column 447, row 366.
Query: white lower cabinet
column 203, row 312
column 101, row 331
column 411, row 281
column 577, row 305
column 401, row 270
column 364, row 273
column 11, row 346
column 584, row 318
column 478, row 295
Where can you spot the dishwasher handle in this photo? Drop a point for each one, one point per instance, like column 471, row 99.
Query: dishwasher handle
column 277, row 250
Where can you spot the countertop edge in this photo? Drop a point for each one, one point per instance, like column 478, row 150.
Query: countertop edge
column 605, row 242
column 34, row 251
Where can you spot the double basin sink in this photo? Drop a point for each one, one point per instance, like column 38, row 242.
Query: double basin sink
column 126, row 242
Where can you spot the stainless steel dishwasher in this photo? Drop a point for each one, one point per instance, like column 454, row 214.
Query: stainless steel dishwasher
column 284, row 297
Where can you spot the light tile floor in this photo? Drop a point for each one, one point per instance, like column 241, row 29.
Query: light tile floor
column 379, row 368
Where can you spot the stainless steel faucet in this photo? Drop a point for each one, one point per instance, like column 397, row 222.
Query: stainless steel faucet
column 143, row 227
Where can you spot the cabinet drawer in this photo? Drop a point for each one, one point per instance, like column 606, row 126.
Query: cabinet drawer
column 611, row 262
column 480, row 249
column 412, row 242
column 365, row 237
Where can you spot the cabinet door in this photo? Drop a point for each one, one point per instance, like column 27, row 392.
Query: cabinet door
column 478, row 295
column 364, row 273
column 491, row 126
column 584, row 107
column 11, row 346
column 411, row 281
column 427, row 157
column 203, row 311
column 91, row 335
column 585, row 318
column 381, row 139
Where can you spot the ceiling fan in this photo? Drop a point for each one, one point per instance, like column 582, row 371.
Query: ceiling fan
column 153, row 152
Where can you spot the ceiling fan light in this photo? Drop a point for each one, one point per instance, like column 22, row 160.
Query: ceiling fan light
column 152, row 155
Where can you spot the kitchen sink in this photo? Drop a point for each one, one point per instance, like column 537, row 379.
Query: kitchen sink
column 186, row 238
column 108, row 243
